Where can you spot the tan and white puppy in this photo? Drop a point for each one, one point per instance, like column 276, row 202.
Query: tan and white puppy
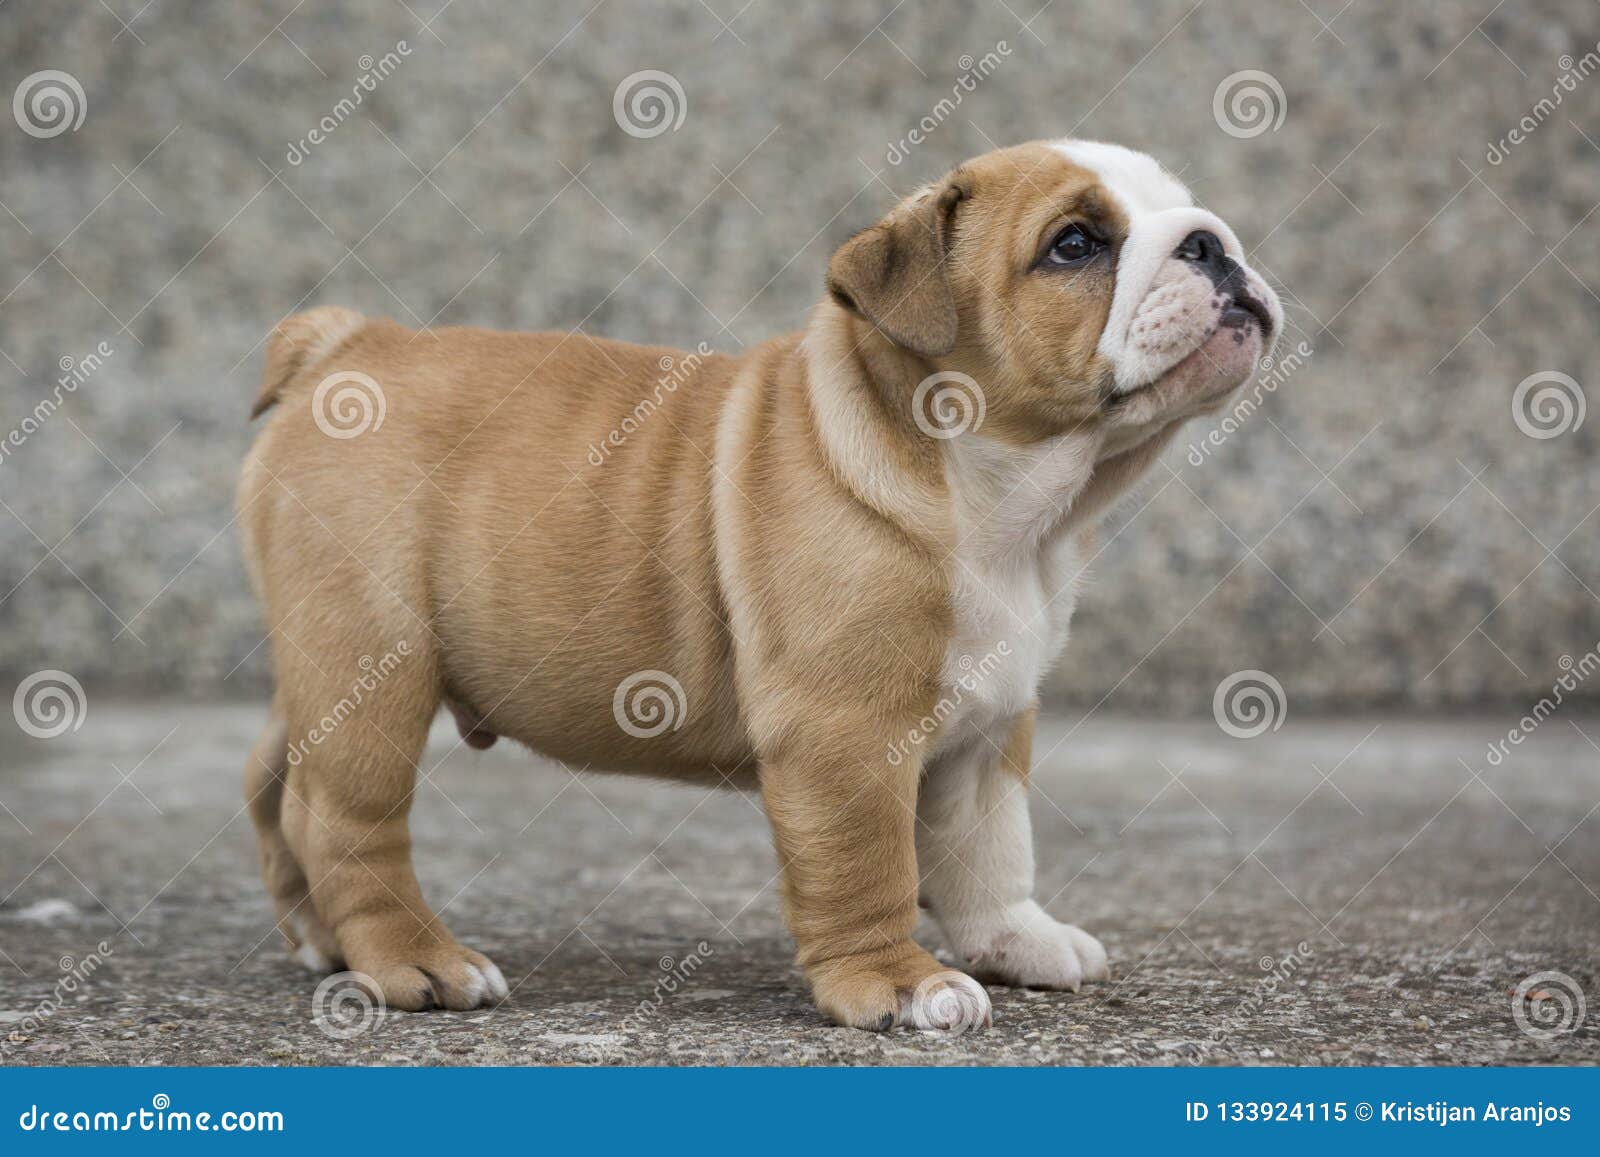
column 837, row 567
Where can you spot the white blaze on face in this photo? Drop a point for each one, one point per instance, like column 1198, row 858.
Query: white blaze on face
column 1163, row 308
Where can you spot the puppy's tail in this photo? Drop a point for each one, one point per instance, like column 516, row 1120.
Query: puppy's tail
column 299, row 342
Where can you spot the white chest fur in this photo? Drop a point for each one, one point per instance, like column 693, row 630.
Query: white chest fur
column 1014, row 575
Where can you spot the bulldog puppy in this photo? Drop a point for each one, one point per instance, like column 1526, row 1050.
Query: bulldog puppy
column 837, row 567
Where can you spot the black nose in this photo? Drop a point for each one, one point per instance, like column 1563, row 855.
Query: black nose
column 1204, row 248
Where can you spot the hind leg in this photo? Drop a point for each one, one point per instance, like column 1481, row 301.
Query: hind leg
column 345, row 818
column 265, row 779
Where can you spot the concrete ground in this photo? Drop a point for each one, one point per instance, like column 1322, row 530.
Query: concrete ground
column 1347, row 891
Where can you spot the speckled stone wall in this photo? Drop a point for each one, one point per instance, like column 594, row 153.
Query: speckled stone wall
column 1407, row 518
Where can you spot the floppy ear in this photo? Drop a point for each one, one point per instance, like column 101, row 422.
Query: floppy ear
column 893, row 274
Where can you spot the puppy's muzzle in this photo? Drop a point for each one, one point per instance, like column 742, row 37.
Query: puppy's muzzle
column 1204, row 250
column 1181, row 273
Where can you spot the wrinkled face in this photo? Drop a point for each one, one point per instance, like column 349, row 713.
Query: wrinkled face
column 1083, row 285
column 1087, row 267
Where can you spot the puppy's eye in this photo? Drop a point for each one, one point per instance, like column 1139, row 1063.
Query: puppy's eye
column 1071, row 246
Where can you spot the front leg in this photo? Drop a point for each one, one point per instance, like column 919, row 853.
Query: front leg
column 975, row 848
column 842, row 817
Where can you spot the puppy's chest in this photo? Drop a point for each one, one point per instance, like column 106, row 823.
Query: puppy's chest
column 1013, row 585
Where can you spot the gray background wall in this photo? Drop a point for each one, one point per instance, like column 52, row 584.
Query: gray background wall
column 1382, row 532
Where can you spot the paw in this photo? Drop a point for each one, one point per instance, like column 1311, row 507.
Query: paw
column 1025, row 947
column 428, row 975
column 912, row 991
column 948, row 1002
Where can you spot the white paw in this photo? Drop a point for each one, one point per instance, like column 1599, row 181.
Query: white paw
column 1024, row 946
column 438, row 976
column 949, row 1003
column 494, row 980
column 473, row 983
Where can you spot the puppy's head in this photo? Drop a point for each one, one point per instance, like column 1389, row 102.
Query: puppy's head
column 1077, row 283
